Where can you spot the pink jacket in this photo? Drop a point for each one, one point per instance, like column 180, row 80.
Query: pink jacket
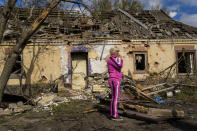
column 114, row 67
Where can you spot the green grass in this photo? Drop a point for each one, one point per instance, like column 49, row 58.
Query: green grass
column 71, row 107
column 188, row 94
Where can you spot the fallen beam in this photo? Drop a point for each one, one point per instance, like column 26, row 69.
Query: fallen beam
column 143, row 117
column 139, row 92
column 165, row 113
column 133, row 114
column 133, row 18
column 138, row 108
column 155, row 86
column 156, row 92
column 184, row 85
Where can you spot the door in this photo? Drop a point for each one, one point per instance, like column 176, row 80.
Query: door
column 79, row 70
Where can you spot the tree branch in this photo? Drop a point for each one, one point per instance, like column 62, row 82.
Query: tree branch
column 5, row 15
column 80, row 3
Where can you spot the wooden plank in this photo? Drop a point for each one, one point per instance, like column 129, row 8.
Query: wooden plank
column 133, row 18
column 165, row 113
column 139, row 108
column 156, row 92
column 143, row 117
column 148, row 88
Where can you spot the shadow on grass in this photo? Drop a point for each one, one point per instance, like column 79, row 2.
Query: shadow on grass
column 183, row 125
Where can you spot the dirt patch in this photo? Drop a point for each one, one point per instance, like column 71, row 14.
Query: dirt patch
column 70, row 116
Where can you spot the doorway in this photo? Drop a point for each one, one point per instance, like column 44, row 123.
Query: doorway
column 79, row 70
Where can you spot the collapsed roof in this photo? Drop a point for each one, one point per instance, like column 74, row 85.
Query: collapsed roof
column 148, row 24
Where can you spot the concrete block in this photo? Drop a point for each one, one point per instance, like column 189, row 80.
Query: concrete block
column 98, row 88
column 12, row 106
column 20, row 104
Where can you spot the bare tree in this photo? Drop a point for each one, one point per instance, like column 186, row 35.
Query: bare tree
column 23, row 40
column 101, row 5
column 134, row 5
column 108, row 5
column 34, row 3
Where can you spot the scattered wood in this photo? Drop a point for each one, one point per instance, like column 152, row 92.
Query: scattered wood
column 134, row 87
column 149, row 98
column 155, row 111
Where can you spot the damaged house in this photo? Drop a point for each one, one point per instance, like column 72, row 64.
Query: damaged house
column 72, row 46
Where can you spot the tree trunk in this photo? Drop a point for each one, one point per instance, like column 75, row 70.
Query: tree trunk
column 20, row 45
column 23, row 40
column 30, row 71
column 5, row 15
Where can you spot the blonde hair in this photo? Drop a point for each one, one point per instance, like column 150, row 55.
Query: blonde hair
column 112, row 50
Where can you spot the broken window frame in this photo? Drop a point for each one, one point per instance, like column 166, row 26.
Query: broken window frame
column 194, row 62
column 146, row 62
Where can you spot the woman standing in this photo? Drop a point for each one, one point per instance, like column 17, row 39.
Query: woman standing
column 114, row 64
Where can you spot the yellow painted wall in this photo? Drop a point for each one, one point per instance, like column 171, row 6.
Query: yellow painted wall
column 161, row 53
column 50, row 61
column 47, row 63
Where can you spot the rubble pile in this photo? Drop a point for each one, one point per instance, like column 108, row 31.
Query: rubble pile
column 47, row 100
column 80, row 94
column 15, row 108
column 98, row 83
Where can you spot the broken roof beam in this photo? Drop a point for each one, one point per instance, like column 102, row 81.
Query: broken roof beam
column 133, row 18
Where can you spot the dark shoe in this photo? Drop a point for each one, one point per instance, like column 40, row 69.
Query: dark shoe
column 117, row 118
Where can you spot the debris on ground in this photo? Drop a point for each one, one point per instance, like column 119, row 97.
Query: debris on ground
column 99, row 84
column 49, row 99
column 46, row 101
column 149, row 102
column 15, row 108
